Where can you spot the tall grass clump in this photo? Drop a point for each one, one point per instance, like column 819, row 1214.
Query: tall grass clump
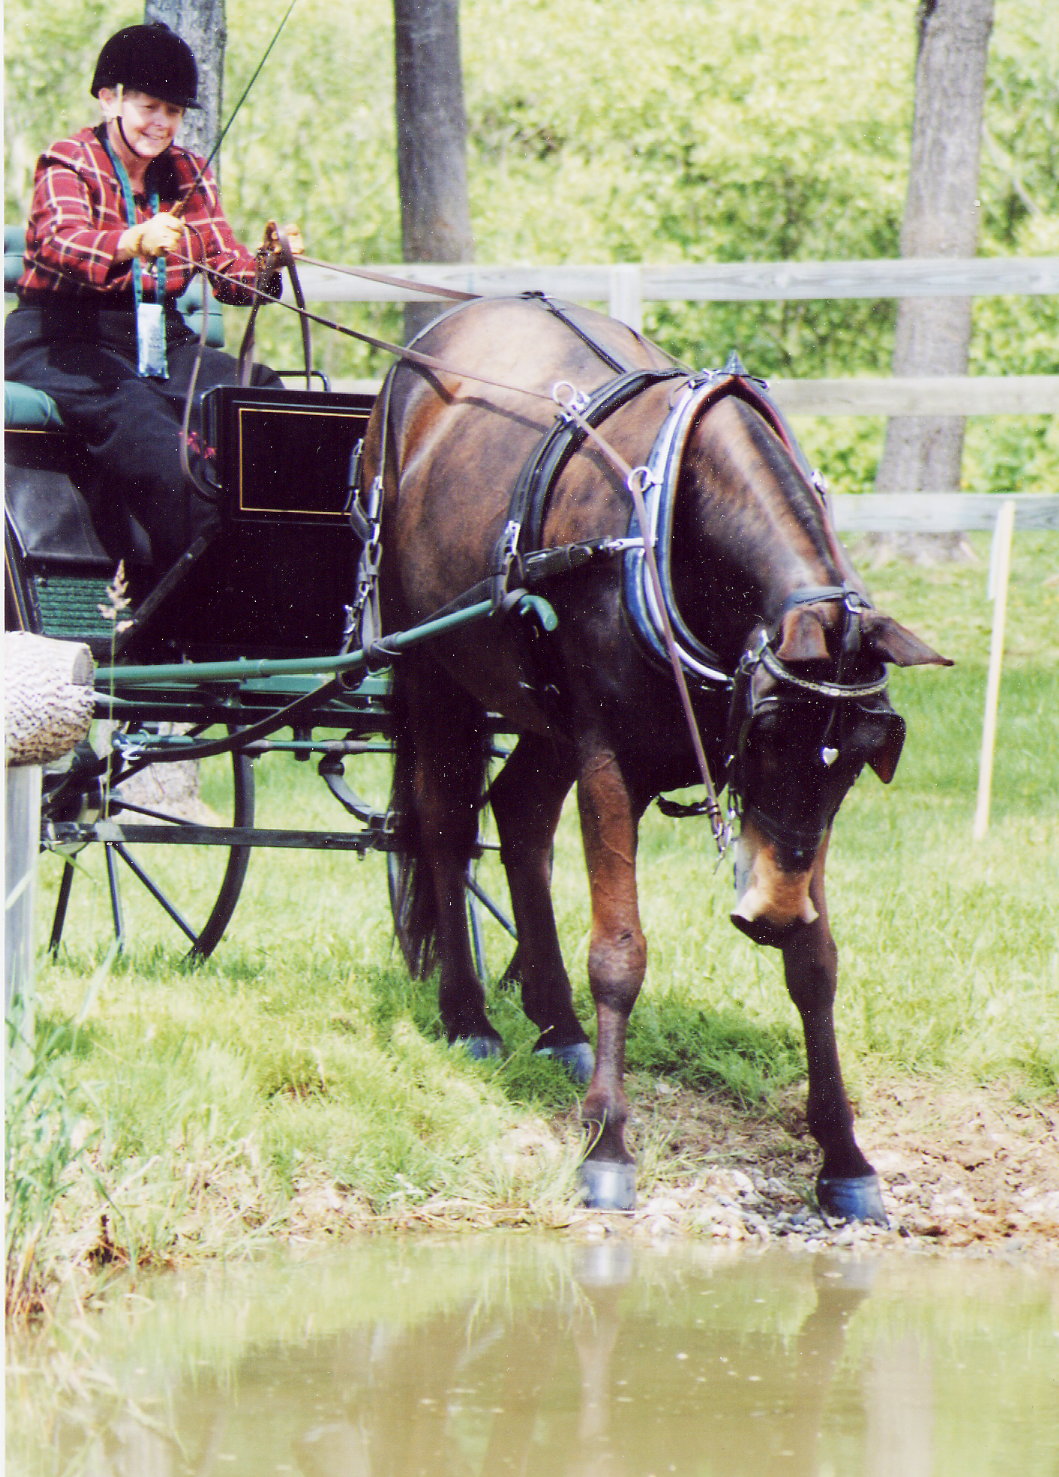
column 48, row 1135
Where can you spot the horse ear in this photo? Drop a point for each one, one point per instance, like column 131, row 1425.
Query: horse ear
column 895, row 643
column 884, row 759
column 801, row 637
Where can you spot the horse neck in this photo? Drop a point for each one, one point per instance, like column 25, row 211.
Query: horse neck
column 748, row 529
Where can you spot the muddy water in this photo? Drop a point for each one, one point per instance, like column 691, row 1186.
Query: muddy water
column 494, row 1355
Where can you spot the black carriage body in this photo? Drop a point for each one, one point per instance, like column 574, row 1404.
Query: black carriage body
column 272, row 582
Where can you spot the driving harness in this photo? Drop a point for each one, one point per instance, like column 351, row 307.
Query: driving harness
column 521, row 563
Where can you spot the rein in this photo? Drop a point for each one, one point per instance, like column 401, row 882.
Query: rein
column 400, row 351
column 422, row 288
column 638, row 480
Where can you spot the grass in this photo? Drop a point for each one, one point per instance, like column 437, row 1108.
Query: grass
column 298, row 1078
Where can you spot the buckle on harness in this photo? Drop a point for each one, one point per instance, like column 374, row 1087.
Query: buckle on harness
column 508, row 563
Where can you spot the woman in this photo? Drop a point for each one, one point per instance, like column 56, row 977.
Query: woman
column 122, row 218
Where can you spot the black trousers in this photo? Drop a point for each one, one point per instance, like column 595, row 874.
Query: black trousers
column 85, row 359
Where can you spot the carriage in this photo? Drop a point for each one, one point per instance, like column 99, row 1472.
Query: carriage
column 544, row 540
column 233, row 652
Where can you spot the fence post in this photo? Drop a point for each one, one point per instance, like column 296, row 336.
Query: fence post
column 626, row 294
column 48, row 705
column 999, row 574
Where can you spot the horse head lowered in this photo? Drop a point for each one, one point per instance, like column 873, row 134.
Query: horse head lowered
column 710, row 628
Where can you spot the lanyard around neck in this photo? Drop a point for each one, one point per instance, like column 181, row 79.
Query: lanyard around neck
column 130, row 215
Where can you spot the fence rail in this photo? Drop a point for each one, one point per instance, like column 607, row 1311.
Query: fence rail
column 1013, row 394
column 626, row 285
column 940, row 512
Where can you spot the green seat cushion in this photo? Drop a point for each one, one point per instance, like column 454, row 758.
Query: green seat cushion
column 26, row 409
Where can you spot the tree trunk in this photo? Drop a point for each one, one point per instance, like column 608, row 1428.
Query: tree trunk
column 923, row 453
column 201, row 23
column 431, row 140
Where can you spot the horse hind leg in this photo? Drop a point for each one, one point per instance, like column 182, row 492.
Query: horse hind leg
column 527, row 799
column 440, row 756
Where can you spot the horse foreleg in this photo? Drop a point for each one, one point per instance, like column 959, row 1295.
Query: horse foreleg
column 847, row 1184
column 527, row 799
column 617, row 960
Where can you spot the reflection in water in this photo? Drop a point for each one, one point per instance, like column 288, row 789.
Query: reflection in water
column 499, row 1355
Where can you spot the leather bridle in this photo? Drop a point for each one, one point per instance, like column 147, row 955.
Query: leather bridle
column 841, row 700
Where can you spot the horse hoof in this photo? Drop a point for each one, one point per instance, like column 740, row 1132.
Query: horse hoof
column 479, row 1048
column 853, row 1199
column 608, row 1184
column 578, row 1059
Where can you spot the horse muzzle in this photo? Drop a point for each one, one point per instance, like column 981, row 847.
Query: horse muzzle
column 771, row 900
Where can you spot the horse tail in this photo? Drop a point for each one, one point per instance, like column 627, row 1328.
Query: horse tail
column 445, row 771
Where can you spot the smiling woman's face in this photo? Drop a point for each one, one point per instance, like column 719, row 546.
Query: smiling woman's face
column 148, row 124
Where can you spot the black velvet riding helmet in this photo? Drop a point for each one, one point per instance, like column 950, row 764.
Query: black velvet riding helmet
column 151, row 59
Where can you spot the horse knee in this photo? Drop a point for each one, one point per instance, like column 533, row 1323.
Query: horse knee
column 617, row 964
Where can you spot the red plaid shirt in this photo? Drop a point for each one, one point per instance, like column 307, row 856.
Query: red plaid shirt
column 78, row 217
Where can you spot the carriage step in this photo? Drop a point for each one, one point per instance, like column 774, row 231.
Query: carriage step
column 70, row 607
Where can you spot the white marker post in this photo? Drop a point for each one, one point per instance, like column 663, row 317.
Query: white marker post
column 999, row 573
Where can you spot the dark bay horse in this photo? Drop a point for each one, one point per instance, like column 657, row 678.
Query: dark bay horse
column 487, row 488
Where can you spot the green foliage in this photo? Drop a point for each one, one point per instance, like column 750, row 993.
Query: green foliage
column 46, row 1137
column 701, row 130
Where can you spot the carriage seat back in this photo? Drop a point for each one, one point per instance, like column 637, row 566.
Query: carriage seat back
column 275, row 581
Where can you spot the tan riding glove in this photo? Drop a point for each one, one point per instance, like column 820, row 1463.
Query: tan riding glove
column 162, row 234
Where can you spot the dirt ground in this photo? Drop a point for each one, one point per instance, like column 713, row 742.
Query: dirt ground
column 967, row 1171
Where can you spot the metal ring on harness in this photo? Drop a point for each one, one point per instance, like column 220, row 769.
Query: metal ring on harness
column 640, row 480
column 574, row 400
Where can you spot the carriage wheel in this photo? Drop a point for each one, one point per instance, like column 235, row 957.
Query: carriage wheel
column 190, row 890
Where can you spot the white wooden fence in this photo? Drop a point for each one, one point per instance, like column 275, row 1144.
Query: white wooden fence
column 624, row 287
